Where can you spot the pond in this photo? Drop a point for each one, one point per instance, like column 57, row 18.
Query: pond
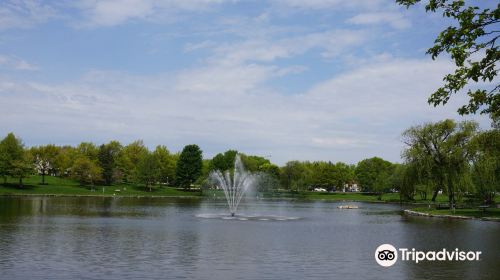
column 158, row 238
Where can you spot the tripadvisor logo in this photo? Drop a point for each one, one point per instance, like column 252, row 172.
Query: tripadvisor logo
column 386, row 255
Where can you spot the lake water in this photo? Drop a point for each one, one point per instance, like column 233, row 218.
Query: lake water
column 132, row 238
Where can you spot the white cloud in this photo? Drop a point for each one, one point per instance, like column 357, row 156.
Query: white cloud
column 115, row 12
column 13, row 62
column 351, row 116
column 395, row 19
column 24, row 13
column 331, row 4
column 265, row 49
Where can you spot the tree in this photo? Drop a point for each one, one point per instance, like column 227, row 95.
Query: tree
column 89, row 150
column 441, row 150
column 323, row 175
column 108, row 155
column 86, row 171
column 21, row 168
column 129, row 159
column 166, row 163
column 64, row 161
column 471, row 43
column 13, row 159
column 253, row 163
column 148, row 170
column 343, row 174
column 486, row 164
column 269, row 179
column 189, row 166
column 295, row 176
column 223, row 162
column 374, row 174
column 44, row 159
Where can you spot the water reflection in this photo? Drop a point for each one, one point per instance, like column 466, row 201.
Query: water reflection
column 148, row 238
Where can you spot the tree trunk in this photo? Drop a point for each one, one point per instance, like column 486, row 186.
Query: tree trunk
column 451, row 194
column 434, row 195
column 20, row 182
column 43, row 177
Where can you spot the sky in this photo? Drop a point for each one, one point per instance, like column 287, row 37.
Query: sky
column 328, row 80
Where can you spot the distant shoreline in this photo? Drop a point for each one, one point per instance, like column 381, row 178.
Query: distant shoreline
column 470, row 214
column 414, row 212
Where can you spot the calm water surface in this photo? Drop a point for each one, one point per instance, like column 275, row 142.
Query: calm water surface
column 131, row 238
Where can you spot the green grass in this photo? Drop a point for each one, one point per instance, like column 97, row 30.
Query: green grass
column 467, row 212
column 61, row 186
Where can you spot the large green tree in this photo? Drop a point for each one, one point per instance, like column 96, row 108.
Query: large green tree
column 14, row 160
column 189, row 166
column 108, row 156
column 64, row 161
column 295, row 176
column 86, row 171
column 323, row 175
column 486, row 164
column 442, row 151
column 128, row 161
column 374, row 174
column 149, row 171
column 471, row 41
column 167, row 163
column 223, row 161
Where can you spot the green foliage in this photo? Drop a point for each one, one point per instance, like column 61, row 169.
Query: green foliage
column 374, row 174
column 129, row 159
column 253, row 163
column 218, row 162
column 167, row 163
column 471, row 43
column 14, row 161
column 441, row 152
column 223, row 162
column 270, row 169
column 486, row 169
column 108, row 157
column 295, row 176
column 189, row 166
column 89, row 150
column 149, row 170
column 86, row 171
column 64, row 161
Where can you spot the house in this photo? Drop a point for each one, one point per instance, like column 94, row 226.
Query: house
column 351, row 188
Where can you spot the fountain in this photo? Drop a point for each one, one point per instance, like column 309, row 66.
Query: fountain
column 235, row 184
column 235, row 187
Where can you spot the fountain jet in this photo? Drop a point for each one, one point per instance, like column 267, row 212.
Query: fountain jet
column 234, row 187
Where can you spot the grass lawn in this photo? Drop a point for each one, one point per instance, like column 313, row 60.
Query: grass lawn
column 61, row 186
column 468, row 212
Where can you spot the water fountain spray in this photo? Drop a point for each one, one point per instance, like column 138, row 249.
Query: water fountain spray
column 234, row 187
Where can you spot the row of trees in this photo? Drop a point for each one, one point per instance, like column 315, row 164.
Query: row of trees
column 106, row 164
column 451, row 157
column 113, row 163
column 454, row 158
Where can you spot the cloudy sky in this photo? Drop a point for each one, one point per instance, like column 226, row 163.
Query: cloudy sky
column 286, row 79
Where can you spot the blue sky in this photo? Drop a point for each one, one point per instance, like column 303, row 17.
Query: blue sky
column 288, row 79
